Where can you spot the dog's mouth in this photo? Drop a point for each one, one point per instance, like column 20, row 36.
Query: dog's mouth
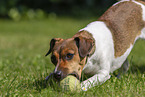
column 75, row 75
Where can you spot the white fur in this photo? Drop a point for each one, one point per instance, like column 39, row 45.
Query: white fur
column 103, row 61
column 117, row 62
column 99, row 63
column 142, row 33
column 104, row 39
column 120, row 2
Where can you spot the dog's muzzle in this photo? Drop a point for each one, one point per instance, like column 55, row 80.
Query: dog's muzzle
column 58, row 75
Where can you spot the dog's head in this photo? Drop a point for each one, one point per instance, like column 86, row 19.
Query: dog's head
column 69, row 55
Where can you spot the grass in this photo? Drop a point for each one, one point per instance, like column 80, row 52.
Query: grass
column 23, row 66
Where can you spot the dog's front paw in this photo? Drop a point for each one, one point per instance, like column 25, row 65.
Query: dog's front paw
column 84, row 86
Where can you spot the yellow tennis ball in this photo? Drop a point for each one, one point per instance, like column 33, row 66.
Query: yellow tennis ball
column 70, row 83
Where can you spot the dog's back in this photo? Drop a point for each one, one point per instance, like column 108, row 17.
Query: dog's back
column 126, row 21
column 115, row 34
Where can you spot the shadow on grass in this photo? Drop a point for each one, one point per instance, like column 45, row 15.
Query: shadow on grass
column 42, row 83
column 137, row 69
column 38, row 84
column 133, row 69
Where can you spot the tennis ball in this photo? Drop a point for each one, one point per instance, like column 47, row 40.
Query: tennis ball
column 70, row 83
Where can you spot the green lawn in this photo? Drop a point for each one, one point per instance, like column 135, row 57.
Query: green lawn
column 23, row 66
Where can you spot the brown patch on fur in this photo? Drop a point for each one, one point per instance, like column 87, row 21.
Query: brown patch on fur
column 54, row 42
column 60, row 51
column 86, row 35
column 60, row 48
column 125, row 22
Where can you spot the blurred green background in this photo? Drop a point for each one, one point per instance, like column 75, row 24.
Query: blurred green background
column 30, row 9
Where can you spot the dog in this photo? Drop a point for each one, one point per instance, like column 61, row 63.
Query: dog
column 102, row 46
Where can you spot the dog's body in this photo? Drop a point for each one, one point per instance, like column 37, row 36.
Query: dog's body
column 101, row 47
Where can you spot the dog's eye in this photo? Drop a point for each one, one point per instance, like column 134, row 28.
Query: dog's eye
column 53, row 59
column 69, row 56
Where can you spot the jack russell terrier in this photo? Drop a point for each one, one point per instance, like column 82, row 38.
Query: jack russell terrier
column 102, row 46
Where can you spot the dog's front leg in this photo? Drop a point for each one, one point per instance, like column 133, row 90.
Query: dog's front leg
column 95, row 80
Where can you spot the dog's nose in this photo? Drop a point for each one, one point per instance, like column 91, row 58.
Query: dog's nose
column 58, row 75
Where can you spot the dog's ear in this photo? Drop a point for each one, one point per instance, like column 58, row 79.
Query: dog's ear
column 84, row 45
column 52, row 43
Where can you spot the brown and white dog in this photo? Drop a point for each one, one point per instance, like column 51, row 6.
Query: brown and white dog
column 101, row 47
